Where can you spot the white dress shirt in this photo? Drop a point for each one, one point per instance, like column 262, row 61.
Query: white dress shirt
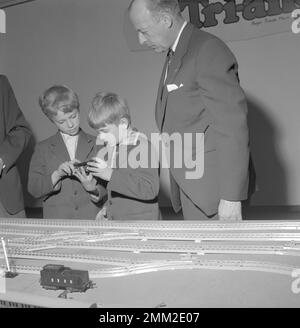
column 175, row 45
column 178, row 36
column 71, row 144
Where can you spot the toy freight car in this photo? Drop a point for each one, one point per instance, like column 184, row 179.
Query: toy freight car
column 55, row 276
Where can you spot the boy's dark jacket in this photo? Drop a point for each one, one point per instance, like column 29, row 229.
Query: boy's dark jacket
column 132, row 192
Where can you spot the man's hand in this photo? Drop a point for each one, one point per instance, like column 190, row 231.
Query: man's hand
column 230, row 211
column 65, row 168
column 99, row 169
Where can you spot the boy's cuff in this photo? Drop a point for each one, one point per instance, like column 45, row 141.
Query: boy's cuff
column 3, row 165
column 95, row 195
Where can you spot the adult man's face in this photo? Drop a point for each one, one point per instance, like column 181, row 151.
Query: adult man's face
column 152, row 32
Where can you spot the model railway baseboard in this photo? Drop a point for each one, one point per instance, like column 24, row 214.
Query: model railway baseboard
column 144, row 264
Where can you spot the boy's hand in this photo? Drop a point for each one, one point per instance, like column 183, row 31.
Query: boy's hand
column 98, row 167
column 88, row 182
column 102, row 214
column 64, row 169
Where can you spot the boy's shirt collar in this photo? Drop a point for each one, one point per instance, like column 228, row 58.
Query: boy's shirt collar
column 70, row 143
column 131, row 138
column 68, row 137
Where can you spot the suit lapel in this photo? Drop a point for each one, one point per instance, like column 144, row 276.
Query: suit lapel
column 158, row 111
column 85, row 146
column 59, row 148
column 174, row 68
column 181, row 49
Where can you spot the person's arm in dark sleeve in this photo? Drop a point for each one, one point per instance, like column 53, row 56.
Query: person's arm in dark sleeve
column 40, row 183
column 140, row 183
column 226, row 102
column 136, row 183
column 17, row 132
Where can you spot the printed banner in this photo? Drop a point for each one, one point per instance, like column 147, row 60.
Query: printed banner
column 232, row 20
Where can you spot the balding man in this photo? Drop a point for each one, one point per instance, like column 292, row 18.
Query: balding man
column 199, row 92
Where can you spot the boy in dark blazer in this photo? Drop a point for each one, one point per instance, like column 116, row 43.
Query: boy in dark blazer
column 126, row 164
column 14, row 137
column 65, row 190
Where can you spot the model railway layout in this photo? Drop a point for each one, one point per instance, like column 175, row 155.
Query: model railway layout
column 156, row 258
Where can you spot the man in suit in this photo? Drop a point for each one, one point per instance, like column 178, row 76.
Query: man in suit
column 208, row 99
column 14, row 136
column 67, row 192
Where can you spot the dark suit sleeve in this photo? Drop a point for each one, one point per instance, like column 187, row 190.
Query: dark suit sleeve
column 137, row 183
column 141, row 182
column 39, row 180
column 225, row 100
column 17, row 132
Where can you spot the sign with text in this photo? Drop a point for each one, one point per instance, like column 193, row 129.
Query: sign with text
column 231, row 20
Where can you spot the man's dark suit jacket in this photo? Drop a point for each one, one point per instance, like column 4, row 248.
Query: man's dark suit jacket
column 14, row 136
column 208, row 99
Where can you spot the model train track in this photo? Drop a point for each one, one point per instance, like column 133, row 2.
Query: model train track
column 41, row 233
column 155, row 235
column 177, row 265
column 156, row 247
column 153, row 225
column 72, row 257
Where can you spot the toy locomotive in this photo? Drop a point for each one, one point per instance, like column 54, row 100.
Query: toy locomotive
column 56, row 276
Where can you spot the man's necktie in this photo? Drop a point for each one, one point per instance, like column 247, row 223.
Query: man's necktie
column 169, row 59
column 165, row 69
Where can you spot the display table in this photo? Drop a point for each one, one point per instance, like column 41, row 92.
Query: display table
column 155, row 264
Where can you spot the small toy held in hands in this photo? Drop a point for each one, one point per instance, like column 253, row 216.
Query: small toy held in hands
column 84, row 165
column 80, row 164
